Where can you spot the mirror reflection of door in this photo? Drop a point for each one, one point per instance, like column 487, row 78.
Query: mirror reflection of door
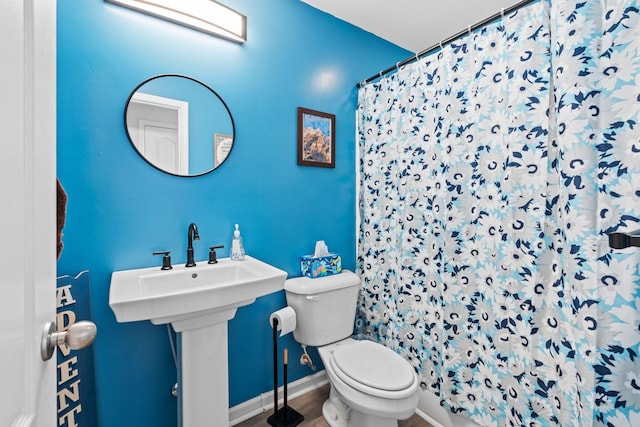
column 163, row 131
column 158, row 142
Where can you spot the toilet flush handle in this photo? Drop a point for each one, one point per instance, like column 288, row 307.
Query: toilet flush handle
column 312, row 298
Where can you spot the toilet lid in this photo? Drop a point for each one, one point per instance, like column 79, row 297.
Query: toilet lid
column 373, row 365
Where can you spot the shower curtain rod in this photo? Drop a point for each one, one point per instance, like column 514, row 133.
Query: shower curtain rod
column 446, row 41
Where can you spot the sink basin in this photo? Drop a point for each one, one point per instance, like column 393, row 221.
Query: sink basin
column 166, row 296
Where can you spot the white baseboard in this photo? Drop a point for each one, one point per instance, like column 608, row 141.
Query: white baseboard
column 264, row 402
column 428, row 418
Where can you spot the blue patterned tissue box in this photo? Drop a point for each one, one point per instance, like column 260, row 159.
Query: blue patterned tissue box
column 313, row 267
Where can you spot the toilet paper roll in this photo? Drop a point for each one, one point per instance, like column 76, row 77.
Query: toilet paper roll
column 286, row 320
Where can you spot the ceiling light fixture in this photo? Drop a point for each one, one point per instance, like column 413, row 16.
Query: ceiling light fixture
column 202, row 15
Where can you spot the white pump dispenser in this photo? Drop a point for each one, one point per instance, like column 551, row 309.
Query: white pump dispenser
column 237, row 249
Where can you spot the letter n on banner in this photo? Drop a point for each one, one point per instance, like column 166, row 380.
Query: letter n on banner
column 76, row 385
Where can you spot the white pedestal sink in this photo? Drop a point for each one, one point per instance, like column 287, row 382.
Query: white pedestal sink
column 198, row 302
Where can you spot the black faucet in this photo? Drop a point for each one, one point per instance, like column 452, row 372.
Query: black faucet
column 192, row 234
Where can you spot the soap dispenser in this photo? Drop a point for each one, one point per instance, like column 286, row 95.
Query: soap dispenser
column 237, row 249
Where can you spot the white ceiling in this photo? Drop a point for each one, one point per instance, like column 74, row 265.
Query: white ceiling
column 412, row 24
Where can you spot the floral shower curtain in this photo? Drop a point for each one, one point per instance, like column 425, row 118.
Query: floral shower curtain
column 491, row 174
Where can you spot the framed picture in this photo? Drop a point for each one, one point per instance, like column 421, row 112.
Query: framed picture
column 316, row 138
column 221, row 146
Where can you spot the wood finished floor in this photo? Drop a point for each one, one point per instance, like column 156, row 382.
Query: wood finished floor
column 310, row 405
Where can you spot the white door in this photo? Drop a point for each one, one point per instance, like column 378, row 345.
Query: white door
column 27, row 220
column 159, row 129
column 158, row 143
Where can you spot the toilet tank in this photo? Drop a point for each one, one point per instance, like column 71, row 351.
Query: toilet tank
column 325, row 307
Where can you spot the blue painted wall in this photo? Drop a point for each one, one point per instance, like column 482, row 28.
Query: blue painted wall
column 121, row 209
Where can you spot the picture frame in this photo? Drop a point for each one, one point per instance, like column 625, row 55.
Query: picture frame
column 222, row 145
column 316, row 138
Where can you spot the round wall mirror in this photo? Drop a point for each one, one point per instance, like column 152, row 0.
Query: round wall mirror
column 179, row 125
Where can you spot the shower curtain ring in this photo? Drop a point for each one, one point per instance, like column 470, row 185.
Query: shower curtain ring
column 398, row 65
column 502, row 13
column 469, row 29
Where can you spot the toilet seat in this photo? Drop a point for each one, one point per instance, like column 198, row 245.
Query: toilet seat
column 374, row 369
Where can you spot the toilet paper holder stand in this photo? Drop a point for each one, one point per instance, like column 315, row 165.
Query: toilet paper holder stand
column 285, row 416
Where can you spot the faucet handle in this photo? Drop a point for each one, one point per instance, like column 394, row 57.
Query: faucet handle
column 212, row 254
column 166, row 259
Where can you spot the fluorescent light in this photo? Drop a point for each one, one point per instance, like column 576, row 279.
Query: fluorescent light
column 203, row 15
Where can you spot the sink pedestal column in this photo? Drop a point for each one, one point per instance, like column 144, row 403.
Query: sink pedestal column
column 204, row 369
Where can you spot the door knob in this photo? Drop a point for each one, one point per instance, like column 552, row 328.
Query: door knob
column 78, row 336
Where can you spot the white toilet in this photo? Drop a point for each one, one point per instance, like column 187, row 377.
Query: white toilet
column 371, row 385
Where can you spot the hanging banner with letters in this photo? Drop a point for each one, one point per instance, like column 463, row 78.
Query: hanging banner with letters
column 76, row 397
